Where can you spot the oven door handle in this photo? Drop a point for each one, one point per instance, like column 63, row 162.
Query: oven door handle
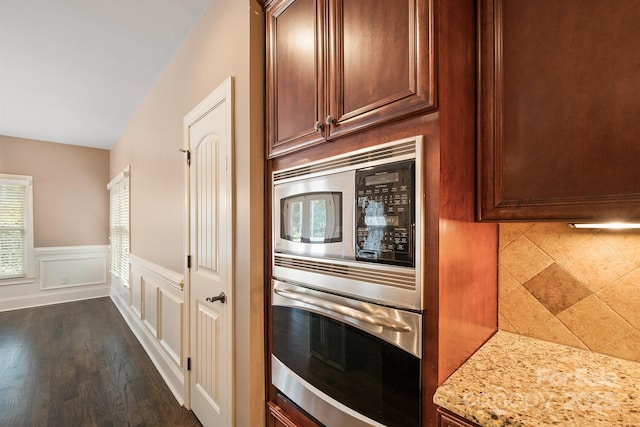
column 384, row 322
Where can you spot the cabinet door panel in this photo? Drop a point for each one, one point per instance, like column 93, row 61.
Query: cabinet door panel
column 450, row 420
column 379, row 32
column 559, row 108
column 277, row 417
column 294, row 69
column 380, row 62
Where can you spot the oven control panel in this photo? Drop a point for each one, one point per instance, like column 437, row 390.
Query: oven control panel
column 385, row 213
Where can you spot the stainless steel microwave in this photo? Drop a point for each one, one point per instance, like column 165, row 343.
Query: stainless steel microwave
column 351, row 223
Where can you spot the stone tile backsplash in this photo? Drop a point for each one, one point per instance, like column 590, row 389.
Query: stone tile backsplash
column 574, row 287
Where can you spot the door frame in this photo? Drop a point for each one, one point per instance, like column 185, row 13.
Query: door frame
column 223, row 93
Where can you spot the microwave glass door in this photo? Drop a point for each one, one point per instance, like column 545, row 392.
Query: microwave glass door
column 312, row 218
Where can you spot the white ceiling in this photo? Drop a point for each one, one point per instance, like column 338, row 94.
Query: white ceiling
column 75, row 71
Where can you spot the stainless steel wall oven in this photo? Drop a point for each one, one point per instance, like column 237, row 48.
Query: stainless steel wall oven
column 346, row 303
column 343, row 361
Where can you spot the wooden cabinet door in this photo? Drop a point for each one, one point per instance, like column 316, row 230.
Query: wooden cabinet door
column 446, row 419
column 295, row 75
column 277, row 417
column 380, row 62
column 559, row 108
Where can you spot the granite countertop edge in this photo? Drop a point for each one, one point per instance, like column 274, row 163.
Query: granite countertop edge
column 514, row 380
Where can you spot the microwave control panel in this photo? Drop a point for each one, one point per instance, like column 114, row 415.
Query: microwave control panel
column 385, row 213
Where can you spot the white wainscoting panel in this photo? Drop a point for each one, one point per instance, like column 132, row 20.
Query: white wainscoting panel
column 153, row 307
column 136, row 290
column 69, row 266
column 150, row 306
column 63, row 274
column 172, row 326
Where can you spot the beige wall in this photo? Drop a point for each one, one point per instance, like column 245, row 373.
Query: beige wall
column 575, row 287
column 70, row 197
column 227, row 41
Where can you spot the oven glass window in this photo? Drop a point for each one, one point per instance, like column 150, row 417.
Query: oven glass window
column 312, row 217
column 365, row 373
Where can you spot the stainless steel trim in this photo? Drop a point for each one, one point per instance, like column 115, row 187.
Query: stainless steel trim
column 378, row 283
column 321, row 406
column 382, row 274
column 345, row 310
column 370, row 318
column 402, row 149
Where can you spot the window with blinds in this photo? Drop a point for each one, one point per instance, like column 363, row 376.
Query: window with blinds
column 16, row 226
column 119, row 226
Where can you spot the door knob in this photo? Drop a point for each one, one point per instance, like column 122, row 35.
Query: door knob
column 318, row 126
column 222, row 298
column 330, row 120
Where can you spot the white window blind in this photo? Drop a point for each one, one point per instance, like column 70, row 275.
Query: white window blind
column 119, row 226
column 16, row 226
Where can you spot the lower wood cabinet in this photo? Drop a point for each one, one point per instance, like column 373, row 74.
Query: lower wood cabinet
column 276, row 417
column 447, row 419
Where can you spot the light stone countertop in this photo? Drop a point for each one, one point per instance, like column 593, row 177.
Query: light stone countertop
column 517, row 381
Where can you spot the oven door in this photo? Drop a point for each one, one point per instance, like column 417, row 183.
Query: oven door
column 346, row 362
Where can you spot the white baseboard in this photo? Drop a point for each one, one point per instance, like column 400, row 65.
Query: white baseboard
column 37, row 300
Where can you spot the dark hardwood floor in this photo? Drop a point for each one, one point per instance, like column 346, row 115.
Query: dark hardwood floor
column 78, row 364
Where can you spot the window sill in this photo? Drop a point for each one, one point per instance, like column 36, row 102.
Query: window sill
column 17, row 281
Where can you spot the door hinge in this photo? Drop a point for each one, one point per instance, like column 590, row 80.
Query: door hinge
column 188, row 363
column 188, row 261
column 188, row 155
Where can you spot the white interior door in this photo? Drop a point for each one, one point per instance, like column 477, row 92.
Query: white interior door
column 209, row 134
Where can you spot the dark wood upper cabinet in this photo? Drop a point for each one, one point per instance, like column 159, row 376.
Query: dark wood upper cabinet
column 559, row 110
column 295, row 74
column 336, row 67
column 380, row 62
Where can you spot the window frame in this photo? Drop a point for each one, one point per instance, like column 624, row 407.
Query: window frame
column 120, row 188
column 28, row 275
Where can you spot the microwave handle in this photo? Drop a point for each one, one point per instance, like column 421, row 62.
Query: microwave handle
column 384, row 322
